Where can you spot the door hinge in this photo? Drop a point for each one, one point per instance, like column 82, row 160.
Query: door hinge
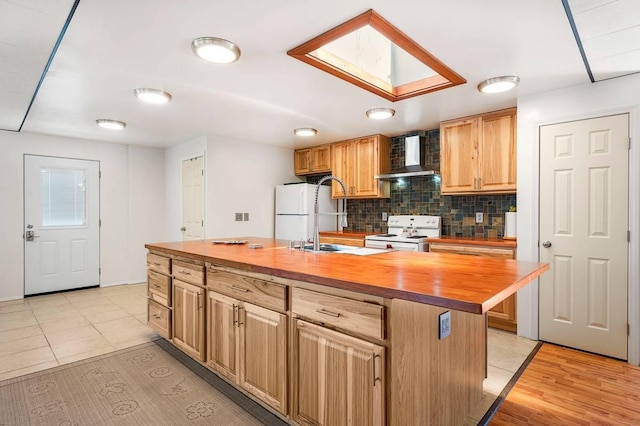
column 202, row 171
column 628, row 236
column 202, row 223
column 629, row 146
column 99, row 271
column 628, row 330
column 99, row 222
column 100, row 174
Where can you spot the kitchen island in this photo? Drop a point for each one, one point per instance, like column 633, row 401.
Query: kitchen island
column 395, row 338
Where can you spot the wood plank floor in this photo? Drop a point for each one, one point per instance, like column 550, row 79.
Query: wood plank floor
column 567, row 387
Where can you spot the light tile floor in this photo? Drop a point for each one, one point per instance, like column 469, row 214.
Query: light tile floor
column 506, row 352
column 40, row 332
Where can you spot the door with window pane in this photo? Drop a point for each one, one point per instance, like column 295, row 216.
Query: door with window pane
column 61, row 224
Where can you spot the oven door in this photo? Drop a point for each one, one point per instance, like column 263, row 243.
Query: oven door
column 392, row 245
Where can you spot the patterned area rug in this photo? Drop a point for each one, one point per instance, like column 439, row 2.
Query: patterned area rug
column 142, row 385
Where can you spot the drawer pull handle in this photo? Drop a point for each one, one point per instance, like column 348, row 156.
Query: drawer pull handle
column 468, row 254
column 156, row 316
column 235, row 314
column 244, row 290
column 156, row 286
column 184, row 272
column 156, row 264
column 331, row 314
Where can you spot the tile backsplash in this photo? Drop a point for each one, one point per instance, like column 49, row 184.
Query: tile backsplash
column 421, row 195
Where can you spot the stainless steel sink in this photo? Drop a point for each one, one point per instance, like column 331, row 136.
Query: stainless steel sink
column 328, row 248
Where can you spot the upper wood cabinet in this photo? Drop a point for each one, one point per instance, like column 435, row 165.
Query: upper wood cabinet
column 478, row 154
column 310, row 161
column 356, row 162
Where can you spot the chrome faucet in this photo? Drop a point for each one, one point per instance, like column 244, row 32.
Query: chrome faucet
column 316, row 212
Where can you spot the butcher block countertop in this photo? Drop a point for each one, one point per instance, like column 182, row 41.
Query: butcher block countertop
column 478, row 241
column 466, row 283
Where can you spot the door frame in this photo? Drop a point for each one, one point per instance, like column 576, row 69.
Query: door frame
column 529, row 313
column 24, row 224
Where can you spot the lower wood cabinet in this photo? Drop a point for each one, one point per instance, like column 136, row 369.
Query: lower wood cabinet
column 337, row 379
column 247, row 344
column 188, row 318
column 503, row 315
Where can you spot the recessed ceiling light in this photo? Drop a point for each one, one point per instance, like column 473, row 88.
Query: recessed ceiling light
column 111, row 124
column 152, row 96
column 499, row 84
column 215, row 49
column 380, row 113
column 305, row 131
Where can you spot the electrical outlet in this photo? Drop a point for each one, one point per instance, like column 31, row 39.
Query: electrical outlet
column 245, row 216
column 238, row 217
column 479, row 217
column 445, row 325
column 384, row 216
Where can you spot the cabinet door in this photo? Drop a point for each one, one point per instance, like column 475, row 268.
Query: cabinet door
column 188, row 318
column 222, row 341
column 498, row 154
column 321, row 159
column 458, row 156
column 301, row 161
column 338, row 379
column 341, row 165
column 365, row 151
column 263, row 354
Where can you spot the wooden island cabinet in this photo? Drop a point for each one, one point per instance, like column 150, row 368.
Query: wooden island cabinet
column 335, row 339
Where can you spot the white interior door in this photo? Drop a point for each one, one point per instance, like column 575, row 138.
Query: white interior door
column 61, row 220
column 583, row 234
column 193, row 199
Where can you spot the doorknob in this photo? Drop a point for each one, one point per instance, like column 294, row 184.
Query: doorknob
column 546, row 244
column 30, row 236
column 183, row 228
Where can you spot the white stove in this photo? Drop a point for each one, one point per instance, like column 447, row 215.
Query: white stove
column 406, row 233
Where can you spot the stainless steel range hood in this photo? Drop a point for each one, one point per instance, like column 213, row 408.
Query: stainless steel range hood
column 414, row 161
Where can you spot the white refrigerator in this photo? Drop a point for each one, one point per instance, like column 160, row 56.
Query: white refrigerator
column 294, row 211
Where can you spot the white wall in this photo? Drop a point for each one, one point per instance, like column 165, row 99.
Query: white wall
column 241, row 177
column 146, row 206
column 608, row 97
column 173, row 159
column 114, row 205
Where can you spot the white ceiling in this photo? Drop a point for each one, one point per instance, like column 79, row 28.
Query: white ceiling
column 112, row 47
column 609, row 31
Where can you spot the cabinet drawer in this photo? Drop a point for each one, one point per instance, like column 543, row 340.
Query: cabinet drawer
column 248, row 289
column 159, row 318
column 159, row 263
column 159, row 288
column 188, row 272
column 469, row 250
column 348, row 314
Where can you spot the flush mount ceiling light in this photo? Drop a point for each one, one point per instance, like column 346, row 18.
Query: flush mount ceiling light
column 111, row 124
column 215, row 49
column 152, row 96
column 499, row 84
column 305, row 131
column 380, row 113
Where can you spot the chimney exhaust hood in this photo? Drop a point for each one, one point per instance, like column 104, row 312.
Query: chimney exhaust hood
column 414, row 161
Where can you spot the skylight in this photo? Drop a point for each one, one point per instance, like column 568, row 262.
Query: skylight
column 372, row 54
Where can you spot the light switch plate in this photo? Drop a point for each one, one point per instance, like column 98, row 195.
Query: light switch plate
column 238, row 217
column 479, row 217
column 384, row 216
column 445, row 325
column 245, row 217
